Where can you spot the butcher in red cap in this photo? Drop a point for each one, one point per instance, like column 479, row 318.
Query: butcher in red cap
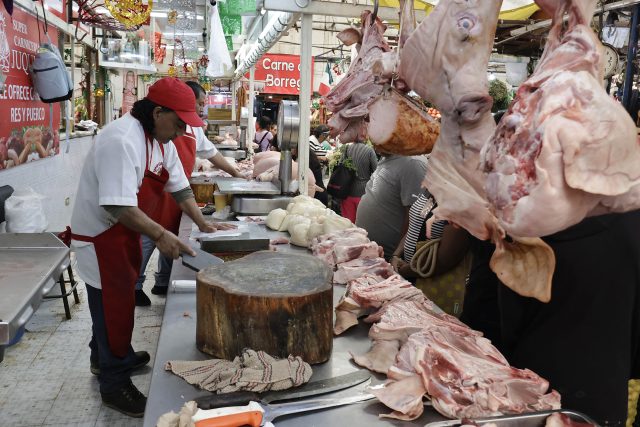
column 123, row 179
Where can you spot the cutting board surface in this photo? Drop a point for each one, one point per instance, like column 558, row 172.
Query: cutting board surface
column 267, row 273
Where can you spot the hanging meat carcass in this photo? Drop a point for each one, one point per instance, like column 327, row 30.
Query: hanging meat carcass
column 445, row 61
column 564, row 149
column 366, row 104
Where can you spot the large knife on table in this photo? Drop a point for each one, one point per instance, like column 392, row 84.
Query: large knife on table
column 314, row 388
column 201, row 260
column 261, row 414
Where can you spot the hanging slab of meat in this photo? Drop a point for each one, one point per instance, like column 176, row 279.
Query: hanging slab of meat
column 400, row 125
column 364, row 104
column 564, row 147
column 445, row 61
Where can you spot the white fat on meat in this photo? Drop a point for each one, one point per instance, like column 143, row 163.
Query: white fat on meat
column 353, row 269
column 347, row 313
column 404, row 397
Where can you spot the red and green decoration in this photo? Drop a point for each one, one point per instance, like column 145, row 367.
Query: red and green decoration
column 231, row 13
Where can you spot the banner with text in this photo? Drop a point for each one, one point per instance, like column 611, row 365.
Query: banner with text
column 280, row 74
column 29, row 127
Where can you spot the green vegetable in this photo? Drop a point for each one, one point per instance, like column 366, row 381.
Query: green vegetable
column 338, row 156
column 500, row 94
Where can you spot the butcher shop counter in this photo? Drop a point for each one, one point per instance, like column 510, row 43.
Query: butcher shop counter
column 168, row 392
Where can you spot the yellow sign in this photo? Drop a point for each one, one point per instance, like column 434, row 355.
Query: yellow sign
column 511, row 10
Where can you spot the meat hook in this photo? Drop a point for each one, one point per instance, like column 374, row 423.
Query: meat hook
column 374, row 15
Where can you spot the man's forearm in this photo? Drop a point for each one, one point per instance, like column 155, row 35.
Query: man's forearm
column 221, row 162
column 134, row 219
column 192, row 210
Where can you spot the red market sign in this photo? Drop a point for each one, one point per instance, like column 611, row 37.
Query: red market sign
column 29, row 127
column 280, row 74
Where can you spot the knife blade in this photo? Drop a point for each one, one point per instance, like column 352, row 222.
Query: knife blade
column 201, row 260
column 314, row 388
column 256, row 414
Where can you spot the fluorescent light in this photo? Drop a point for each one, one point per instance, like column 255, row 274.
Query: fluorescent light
column 180, row 33
column 201, row 49
column 200, row 18
column 159, row 14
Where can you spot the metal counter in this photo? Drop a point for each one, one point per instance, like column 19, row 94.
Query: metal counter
column 168, row 392
column 30, row 265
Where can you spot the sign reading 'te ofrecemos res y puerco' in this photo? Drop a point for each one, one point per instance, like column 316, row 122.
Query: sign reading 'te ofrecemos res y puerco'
column 29, row 128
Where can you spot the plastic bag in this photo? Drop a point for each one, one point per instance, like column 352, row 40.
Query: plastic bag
column 219, row 58
column 24, row 212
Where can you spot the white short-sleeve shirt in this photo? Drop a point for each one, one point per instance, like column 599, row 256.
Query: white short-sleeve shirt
column 112, row 175
column 204, row 148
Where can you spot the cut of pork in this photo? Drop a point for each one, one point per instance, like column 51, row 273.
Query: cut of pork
column 356, row 268
column 565, row 148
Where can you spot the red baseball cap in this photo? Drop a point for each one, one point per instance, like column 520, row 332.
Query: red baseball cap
column 173, row 93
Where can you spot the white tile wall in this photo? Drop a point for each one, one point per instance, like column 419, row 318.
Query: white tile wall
column 56, row 178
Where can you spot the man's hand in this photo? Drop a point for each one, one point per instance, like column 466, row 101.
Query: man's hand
column 169, row 245
column 245, row 175
column 211, row 227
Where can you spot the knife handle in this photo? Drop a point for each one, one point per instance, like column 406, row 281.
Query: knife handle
column 236, row 398
column 249, row 415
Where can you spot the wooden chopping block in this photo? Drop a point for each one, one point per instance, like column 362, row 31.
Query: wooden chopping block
column 275, row 302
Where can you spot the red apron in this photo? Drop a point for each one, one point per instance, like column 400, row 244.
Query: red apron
column 119, row 257
column 169, row 210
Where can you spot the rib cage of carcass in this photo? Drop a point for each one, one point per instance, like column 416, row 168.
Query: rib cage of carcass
column 565, row 149
column 369, row 103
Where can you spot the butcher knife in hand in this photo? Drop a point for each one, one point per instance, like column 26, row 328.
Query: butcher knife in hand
column 258, row 414
column 201, row 260
column 313, row 388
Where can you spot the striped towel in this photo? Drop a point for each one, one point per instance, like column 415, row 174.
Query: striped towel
column 253, row 371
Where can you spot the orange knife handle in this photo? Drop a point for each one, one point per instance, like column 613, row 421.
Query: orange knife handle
column 250, row 418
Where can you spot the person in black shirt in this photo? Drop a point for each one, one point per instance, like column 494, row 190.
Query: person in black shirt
column 316, row 169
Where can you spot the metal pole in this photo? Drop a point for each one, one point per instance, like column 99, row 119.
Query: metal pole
column 305, row 101
column 631, row 55
column 251, row 123
column 233, row 101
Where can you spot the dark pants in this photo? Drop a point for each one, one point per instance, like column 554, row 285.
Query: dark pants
column 114, row 371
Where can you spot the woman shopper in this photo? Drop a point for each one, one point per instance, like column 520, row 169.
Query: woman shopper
column 365, row 162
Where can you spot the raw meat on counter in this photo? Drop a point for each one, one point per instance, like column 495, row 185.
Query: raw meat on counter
column 565, row 149
column 365, row 104
column 356, row 268
column 424, row 351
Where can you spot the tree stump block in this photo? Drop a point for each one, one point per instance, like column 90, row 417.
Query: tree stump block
column 275, row 302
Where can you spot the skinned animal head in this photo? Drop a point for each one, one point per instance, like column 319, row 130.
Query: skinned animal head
column 441, row 61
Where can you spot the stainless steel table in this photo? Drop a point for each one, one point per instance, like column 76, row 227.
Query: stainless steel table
column 30, row 264
column 177, row 342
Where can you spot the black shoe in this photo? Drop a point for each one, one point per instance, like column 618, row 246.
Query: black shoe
column 127, row 399
column 159, row 290
column 142, row 300
column 142, row 358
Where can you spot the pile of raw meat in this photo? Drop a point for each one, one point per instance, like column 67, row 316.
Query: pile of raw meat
column 266, row 166
column 351, row 254
column 371, row 103
column 425, row 352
